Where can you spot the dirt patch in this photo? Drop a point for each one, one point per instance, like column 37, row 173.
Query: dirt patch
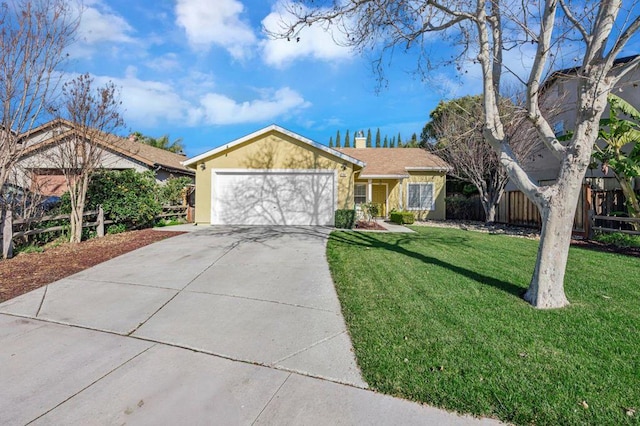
column 369, row 226
column 28, row 271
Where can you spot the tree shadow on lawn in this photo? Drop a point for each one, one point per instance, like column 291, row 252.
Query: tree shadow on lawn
column 363, row 239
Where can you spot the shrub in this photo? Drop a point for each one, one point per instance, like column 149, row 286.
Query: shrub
column 619, row 239
column 127, row 197
column 345, row 218
column 116, row 228
column 370, row 210
column 171, row 191
column 402, row 217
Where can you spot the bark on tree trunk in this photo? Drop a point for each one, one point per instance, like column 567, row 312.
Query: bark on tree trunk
column 546, row 289
column 490, row 214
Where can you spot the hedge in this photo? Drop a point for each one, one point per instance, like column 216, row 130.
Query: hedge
column 345, row 218
column 402, row 218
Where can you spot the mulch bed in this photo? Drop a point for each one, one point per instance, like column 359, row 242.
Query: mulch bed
column 369, row 226
column 28, row 271
column 609, row 248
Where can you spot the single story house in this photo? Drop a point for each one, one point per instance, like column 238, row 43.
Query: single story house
column 39, row 165
column 277, row 177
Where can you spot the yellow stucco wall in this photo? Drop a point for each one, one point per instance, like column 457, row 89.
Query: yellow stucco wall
column 272, row 150
column 439, row 180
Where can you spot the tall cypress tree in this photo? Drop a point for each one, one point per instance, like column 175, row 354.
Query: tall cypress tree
column 347, row 140
column 331, row 142
column 393, row 143
column 338, row 139
column 369, row 138
column 378, row 138
column 399, row 139
column 386, row 142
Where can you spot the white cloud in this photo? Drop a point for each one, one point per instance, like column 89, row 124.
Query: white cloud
column 147, row 103
column 315, row 42
column 209, row 22
column 219, row 109
column 98, row 24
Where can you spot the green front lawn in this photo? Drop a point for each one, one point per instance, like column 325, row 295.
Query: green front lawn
column 438, row 317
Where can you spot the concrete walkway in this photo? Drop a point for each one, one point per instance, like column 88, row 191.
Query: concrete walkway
column 221, row 325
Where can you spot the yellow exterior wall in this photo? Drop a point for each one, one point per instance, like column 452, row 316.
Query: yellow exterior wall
column 272, row 150
column 439, row 180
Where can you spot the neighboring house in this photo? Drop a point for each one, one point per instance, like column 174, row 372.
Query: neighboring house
column 277, row 177
column 602, row 193
column 560, row 92
column 39, row 170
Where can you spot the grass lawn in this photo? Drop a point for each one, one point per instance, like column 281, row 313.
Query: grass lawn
column 437, row 317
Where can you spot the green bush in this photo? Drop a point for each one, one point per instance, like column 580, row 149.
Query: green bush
column 171, row 191
column 128, row 197
column 619, row 239
column 116, row 228
column 345, row 218
column 402, row 218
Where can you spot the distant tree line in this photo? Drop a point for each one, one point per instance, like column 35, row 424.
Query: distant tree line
column 374, row 142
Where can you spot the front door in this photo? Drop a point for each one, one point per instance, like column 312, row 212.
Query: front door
column 379, row 197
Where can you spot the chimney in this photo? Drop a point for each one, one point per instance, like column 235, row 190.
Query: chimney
column 360, row 141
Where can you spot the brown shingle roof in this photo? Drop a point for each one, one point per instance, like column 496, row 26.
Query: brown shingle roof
column 395, row 162
column 137, row 151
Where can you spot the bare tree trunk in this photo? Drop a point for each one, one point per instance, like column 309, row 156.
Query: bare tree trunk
column 546, row 289
column 78, row 198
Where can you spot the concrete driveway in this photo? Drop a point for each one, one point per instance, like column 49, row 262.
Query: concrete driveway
column 223, row 325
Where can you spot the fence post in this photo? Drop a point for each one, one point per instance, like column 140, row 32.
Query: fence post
column 7, row 234
column 100, row 220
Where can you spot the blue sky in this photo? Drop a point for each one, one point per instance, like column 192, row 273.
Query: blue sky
column 204, row 71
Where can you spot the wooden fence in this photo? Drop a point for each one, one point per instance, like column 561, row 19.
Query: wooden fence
column 20, row 227
column 614, row 224
column 516, row 209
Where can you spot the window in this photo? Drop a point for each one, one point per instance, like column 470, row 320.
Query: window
column 558, row 128
column 420, row 196
column 360, row 194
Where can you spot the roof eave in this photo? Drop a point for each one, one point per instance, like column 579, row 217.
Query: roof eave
column 193, row 161
column 380, row 176
column 428, row 169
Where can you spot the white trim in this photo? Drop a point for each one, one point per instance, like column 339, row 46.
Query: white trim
column 214, row 220
column 382, row 176
column 273, row 127
column 427, row 169
column 433, row 196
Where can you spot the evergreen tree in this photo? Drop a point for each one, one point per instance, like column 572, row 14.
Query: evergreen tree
column 347, row 140
column 378, row 138
column 393, row 143
column 331, row 142
column 369, row 138
column 386, row 142
column 399, row 139
column 338, row 139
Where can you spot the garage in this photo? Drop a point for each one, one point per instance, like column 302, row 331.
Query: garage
column 273, row 197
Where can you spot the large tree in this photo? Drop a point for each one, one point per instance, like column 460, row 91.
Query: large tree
column 455, row 133
column 484, row 32
column 33, row 38
column 94, row 114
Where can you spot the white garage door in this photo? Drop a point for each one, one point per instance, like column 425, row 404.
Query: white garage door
column 273, row 197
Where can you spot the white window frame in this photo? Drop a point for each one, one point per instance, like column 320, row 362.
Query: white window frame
column 355, row 196
column 421, row 185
